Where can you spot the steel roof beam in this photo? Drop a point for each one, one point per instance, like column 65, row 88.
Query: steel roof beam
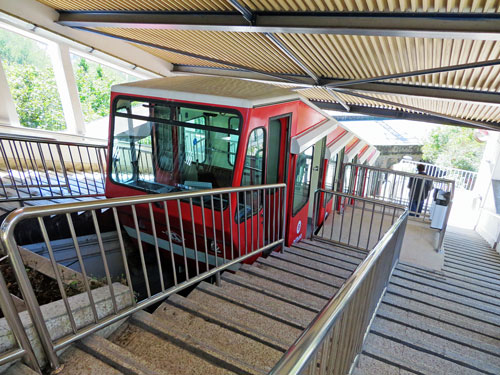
column 397, row 89
column 473, row 123
column 279, row 77
column 474, row 26
column 249, row 16
column 396, row 114
column 443, row 69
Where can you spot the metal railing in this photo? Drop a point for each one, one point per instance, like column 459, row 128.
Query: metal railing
column 38, row 169
column 463, row 179
column 21, row 347
column 199, row 234
column 333, row 340
column 416, row 191
column 353, row 221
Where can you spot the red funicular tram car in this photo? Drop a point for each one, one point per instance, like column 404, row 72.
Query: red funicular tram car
column 183, row 133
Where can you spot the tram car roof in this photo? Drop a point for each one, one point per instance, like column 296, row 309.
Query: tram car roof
column 213, row 90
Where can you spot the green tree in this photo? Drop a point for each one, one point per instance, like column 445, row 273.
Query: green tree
column 452, row 146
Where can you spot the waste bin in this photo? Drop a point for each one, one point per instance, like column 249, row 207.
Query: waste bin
column 441, row 206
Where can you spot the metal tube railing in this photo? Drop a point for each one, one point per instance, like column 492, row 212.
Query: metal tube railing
column 409, row 189
column 352, row 221
column 153, row 223
column 22, row 348
column 334, row 338
column 40, row 169
column 463, row 179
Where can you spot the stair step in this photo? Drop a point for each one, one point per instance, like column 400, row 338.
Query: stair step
column 215, row 317
column 449, row 350
column 166, row 355
column 291, row 279
column 339, row 254
column 245, row 303
column 221, row 359
column 266, row 303
column 275, row 290
column 406, row 356
column 452, row 306
column 332, row 247
column 216, row 303
column 339, row 271
column 283, row 265
column 125, row 361
column 440, row 328
column 21, row 369
column 440, row 279
column 436, row 312
column 370, row 366
column 445, row 292
column 465, row 278
column 480, row 272
column 252, row 353
column 463, row 270
column 332, row 261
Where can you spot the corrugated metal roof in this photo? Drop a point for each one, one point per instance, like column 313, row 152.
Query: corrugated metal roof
column 479, row 6
column 143, row 5
column 249, row 49
column 339, row 55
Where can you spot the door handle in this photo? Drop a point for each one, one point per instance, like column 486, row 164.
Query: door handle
column 316, row 168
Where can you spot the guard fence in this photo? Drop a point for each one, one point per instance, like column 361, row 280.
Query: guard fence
column 332, row 341
column 40, row 169
column 463, row 179
column 210, row 231
column 415, row 191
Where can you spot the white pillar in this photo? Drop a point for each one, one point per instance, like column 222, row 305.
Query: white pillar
column 8, row 113
column 68, row 90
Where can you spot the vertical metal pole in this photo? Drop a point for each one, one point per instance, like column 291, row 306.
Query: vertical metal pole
column 15, row 324
column 157, row 249
column 10, row 246
column 169, row 234
column 194, row 235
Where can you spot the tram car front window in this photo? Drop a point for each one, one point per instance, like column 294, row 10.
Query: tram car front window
column 162, row 147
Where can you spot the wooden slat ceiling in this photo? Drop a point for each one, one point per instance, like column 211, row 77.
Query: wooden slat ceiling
column 335, row 56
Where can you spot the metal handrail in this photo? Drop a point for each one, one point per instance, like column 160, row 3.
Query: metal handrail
column 305, row 347
column 23, row 349
column 362, row 199
column 363, row 180
column 402, row 173
column 14, row 137
column 353, row 227
column 50, row 346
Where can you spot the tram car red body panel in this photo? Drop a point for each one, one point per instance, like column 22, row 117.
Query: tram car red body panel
column 190, row 133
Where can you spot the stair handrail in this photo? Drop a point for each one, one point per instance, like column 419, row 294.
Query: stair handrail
column 275, row 237
column 320, row 338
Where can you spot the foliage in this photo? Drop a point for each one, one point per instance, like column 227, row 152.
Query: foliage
column 94, row 83
column 32, row 82
column 451, row 146
column 34, row 90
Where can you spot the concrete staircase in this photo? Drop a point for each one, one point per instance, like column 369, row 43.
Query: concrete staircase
column 444, row 322
column 242, row 327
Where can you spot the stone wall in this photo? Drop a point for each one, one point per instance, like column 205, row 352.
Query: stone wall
column 390, row 155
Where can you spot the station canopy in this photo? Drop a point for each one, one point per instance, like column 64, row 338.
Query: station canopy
column 429, row 60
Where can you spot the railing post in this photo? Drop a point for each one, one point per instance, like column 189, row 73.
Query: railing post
column 15, row 324
column 10, row 246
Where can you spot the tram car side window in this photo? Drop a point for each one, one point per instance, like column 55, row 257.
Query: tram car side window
column 162, row 147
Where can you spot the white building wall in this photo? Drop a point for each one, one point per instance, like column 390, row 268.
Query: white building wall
column 488, row 222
